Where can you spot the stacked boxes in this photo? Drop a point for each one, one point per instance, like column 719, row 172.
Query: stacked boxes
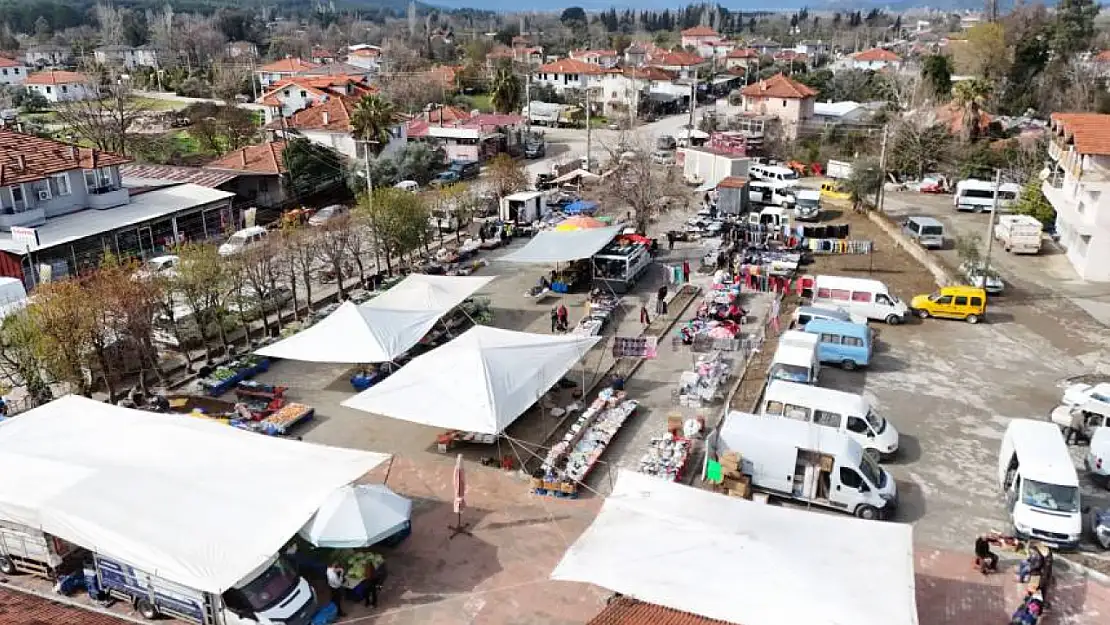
column 735, row 483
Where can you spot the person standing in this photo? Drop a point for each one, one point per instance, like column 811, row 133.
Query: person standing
column 336, row 578
column 564, row 318
column 670, row 240
column 661, row 302
column 554, row 318
column 685, row 271
column 644, row 318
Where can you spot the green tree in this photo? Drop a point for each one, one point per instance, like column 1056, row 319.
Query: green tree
column 20, row 338
column 864, row 182
column 969, row 96
column 398, row 221
column 917, row 150
column 310, row 166
column 985, row 53
column 371, row 122
column 1075, row 27
column 936, row 71
column 573, row 16
column 1033, row 203
column 505, row 91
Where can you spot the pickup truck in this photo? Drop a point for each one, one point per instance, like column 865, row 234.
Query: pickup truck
column 457, row 172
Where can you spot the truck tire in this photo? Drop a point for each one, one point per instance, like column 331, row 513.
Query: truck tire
column 869, row 513
column 7, row 567
column 848, row 364
column 972, row 319
column 893, row 320
column 146, row 609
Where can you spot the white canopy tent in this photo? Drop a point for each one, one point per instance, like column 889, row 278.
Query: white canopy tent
column 744, row 562
column 574, row 175
column 192, row 500
column 560, row 246
column 383, row 328
column 358, row 516
column 479, row 382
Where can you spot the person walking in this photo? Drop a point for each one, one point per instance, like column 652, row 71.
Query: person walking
column 661, row 301
column 564, row 318
column 336, row 577
column 554, row 319
column 644, row 318
column 670, row 240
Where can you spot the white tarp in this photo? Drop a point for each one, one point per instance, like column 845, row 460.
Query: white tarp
column 190, row 500
column 358, row 516
column 383, row 328
column 744, row 562
column 561, row 246
column 479, row 382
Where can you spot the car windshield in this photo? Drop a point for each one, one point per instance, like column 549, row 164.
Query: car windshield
column 274, row 584
column 932, row 230
column 792, row 373
column 934, row 296
column 1050, row 496
column 871, row 471
column 876, row 422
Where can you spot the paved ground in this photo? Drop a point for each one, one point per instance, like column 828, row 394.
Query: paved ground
column 566, row 144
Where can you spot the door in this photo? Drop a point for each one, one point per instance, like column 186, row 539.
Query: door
column 846, row 488
column 146, row 242
column 942, row 307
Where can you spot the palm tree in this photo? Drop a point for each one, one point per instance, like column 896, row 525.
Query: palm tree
column 371, row 121
column 505, row 92
column 969, row 96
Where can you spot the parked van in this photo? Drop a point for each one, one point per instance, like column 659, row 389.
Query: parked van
column 928, row 232
column 847, row 413
column 978, row 195
column 1036, row 472
column 863, row 296
column 770, row 192
column 1097, row 459
column 956, row 302
column 241, row 240
column 772, row 217
column 774, row 173
column 809, row 464
column 842, row 342
column 804, row 314
column 795, row 358
column 807, row 205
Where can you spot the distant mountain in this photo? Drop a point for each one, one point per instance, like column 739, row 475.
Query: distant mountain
column 508, row 6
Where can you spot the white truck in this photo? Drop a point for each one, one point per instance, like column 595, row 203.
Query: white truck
column 838, row 170
column 808, row 463
column 1019, row 234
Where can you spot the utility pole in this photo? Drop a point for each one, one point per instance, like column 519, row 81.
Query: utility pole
column 879, row 194
column 990, row 224
column 693, row 106
column 589, row 131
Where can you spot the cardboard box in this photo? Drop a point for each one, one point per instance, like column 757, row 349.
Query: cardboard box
column 826, row 463
column 537, row 482
column 674, row 423
column 730, row 458
column 741, row 490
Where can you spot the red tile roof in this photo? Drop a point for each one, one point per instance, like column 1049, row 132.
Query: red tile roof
column 288, row 66
column 677, row 58
column 649, row 73
column 195, row 175
column 42, row 157
column 700, row 31
column 584, row 54
column 6, row 62
column 778, row 86
column 367, row 52
column 570, row 66
column 1103, row 57
column 628, row 611
column 17, row 608
column 877, row 54
column 55, row 78
column 445, row 114
column 1089, row 132
column 337, row 110
column 321, row 53
column 743, row 53
column 254, row 159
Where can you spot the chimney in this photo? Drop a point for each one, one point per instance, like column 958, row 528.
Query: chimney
column 324, row 117
column 75, row 152
column 22, row 160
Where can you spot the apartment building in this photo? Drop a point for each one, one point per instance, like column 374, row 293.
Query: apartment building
column 1079, row 189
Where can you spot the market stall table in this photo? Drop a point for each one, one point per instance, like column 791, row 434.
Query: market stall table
column 571, row 460
column 666, row 457
column 704, row 383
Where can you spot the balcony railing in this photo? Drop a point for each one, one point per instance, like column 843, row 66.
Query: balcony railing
column 31, row 217
column 107, row 197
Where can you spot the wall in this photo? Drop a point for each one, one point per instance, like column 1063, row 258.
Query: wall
column 940, row 273
column 13, row 75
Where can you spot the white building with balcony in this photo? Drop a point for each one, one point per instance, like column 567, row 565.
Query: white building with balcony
column 1079, row 189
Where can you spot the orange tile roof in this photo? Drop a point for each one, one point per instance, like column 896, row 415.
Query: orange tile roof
column 444, row 114
column 580, row 54
column 743, row 53
column 778, row 86
column 43, row 157
column 732, row 182
column 700, row 31
column 338, row 111
column 628, row 611
column 677, row 58
column 55, row 78
column 1089, row 132
column 19, row 608
column 322, row 53
column 1103, row 57
column 877, row 54
column 649, row 73
column 254, row 159
column 288, row 66
column 373, row 52
column 6, row 62
column 570, row 66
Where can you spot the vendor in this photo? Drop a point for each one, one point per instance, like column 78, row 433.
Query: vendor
column 544, row 283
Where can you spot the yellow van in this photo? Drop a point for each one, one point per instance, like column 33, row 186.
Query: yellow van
column 957, row 302
column 834, row 191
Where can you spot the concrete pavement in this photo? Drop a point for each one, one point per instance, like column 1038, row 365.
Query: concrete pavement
column 566, row 144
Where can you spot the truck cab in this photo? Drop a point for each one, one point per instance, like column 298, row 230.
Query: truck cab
column 807, row 205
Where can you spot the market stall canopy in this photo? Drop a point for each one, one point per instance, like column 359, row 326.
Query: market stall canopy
column 358, row 516
column 575, row 175
column 579, row 207
column 480, row 382
column 579, row 223
column 558, row 246
column 383, row 328
column 743, row 562
column 193, row 500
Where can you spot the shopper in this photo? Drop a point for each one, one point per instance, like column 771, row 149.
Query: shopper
column 670, row 240
column 336, row 577
column 554, row 319
column 685, row 271
column 644, row 318
column 661, row 301
column 564, row 318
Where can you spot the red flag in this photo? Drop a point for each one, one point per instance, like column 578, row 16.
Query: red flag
column 460, row 485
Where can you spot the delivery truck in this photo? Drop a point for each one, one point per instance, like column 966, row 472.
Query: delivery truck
column 272, row 594
column 1019, row 234
column 808, row 463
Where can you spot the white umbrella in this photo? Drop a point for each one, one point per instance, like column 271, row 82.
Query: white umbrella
column 357, row 516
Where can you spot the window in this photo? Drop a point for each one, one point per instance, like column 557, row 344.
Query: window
column 861, row 296
column 824, row 293
column 882, row 299
column 850, row 478
column 59, row 184
column 857, row 425
column 5, row 71
column 944, row 300
column 798, row 413
column 16, row 70
column 976, row 301
column 99, row 180
column 286, row 92
column 841, row 294
column 961, row 300
column 49, row 90
column 827, row 419
column 784, row 103
column 852, row 341
column 304, row 94
column 17, row 193
column 773, row 407
column 65, row 89
column 834, row 339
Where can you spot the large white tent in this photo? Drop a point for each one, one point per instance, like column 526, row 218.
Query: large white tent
column 381, row 329
column 744, row 562
column 562, row 246
column 191, row 500
column 479, row 382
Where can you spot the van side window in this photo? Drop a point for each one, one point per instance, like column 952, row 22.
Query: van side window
column 852, row 341
column 798, row 413
column 976, row 301
column 961, row 300
column 841, row 294
column 882, row 298
column 804, row 319
column 773, row 407
column 824, row 293
column 861, row 296
column 944, row 299
column 831, row 338
column 827, row 419
column 850, row 478
column 857, row 425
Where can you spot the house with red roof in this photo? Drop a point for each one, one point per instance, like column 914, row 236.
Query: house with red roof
column 293, row 94
column 875, row 59
column 279, row 70
column 1079, row 189
column 61, row 86
column 569, row 74
column 782, row 97
column 329, row 123
column 684, row 64
column 365, row 56
column 321, row 55
column 698, row 36
column 742, row 57
column 12, row 71
column 602, row 58
column 475, row 137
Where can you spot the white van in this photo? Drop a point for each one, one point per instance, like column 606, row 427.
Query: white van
column 241, row 240
column 770, row 192
column 847, row 413
column 807, row 205
column 1097, row 459
column 862, row 296
column 774, row 173
column 795, row 359
column 928, row 232
column 809, row 464
column 805, row 314
column 978, row 195
column 13, row 296
column 1036, row 472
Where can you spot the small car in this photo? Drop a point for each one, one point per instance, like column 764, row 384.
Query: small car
column 328, row 214
column 956, row 302
column 241, row 240
column 988, row 280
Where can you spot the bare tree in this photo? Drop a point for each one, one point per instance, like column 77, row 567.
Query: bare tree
column 111, row 24
column 103, row 120
column 303, row 246
column 203, row 40
column 334, row 249
column 202, row 282
column 259, row 268
column 162, row 33
column 359, row 243
column 644, row 187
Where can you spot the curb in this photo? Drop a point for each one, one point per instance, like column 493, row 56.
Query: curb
column 1086, row 571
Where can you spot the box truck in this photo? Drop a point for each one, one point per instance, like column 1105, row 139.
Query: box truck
column 1019, row 234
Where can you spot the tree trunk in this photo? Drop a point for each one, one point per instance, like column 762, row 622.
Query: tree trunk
column 361, row 270
column 223, row 333
column 337, row 266
column 307, row 278
column 388, row 263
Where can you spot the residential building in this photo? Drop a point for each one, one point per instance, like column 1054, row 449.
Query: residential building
column 796, row 61
column 970, row 20
column 500, row 55
column 61, row 86
column 343, row 70
column 242, row 50
column 280, row 70
column 258, row 172
column 685, row 64
column 785, row 98
column 813, row 48
column 699, row 36
column 845, row 112
column 329, row 124
column 568, row 74
column 765, row 47
column 476, row 138
column 321, row 56
column 742, row 57
column 12, row 72
column 365, row 56
column 127, row 57
column 44, row 56
column 602, row 58
column 875, row 59
column 635, row 55
column 62, row 206
column 293, row 94
column 1079, row 189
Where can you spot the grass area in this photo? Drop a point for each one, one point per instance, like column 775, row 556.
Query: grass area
column 156, row 105
column 185, row 143
column 40, row 117
column 482, row 102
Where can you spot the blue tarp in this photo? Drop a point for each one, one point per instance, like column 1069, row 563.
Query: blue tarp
column 579, row 207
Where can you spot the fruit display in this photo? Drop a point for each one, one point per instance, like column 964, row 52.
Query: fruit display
column 286, row 417
column 224, row 377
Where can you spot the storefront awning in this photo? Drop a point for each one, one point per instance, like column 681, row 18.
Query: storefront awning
column 743, row 562
column 479, row 382
column 553, row 246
